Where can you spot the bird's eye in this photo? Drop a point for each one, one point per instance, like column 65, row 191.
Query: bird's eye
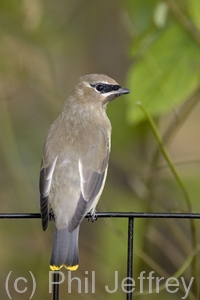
column 100, row 87
column 105, row 88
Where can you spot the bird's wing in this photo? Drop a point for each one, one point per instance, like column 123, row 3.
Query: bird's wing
column 45, row 186
column 92, row 183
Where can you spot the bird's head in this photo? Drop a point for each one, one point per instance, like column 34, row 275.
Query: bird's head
column 98, row 88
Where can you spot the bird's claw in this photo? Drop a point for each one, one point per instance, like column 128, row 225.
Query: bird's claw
column 92, row 217
column 51, row 215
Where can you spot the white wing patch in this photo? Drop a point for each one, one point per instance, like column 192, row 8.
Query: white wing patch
column 91, row 182
column 48, row 175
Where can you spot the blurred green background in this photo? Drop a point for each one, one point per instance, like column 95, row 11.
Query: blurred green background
column 151, row 47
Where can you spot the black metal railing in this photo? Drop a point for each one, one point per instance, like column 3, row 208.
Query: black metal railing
column 131, row 216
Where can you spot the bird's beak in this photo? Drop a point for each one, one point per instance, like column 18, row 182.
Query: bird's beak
column 115, row 94
column 122, row 91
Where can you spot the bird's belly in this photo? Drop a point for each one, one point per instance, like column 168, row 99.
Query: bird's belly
column 65, row 192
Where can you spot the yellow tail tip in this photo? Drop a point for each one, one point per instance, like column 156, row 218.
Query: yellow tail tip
column 71, row 268
column 57, row 268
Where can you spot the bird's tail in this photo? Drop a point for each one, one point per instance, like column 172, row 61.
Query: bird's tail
column 65, row 249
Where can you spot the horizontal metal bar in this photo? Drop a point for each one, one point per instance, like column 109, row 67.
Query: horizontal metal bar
column 110, row 215
column 20, row 216
column 146, row 215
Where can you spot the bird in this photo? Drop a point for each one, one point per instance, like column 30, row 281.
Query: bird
column 75, row 163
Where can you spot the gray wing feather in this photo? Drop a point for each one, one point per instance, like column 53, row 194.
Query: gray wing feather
column 84, row 205
column 92, row 183
column 45, row 186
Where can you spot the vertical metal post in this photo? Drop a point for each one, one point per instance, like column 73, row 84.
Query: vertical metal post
column 129, row 294
column 56, row 286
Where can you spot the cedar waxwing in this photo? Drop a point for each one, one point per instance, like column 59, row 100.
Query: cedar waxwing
column 75, row 162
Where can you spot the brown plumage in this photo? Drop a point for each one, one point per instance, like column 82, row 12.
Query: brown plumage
column 74, row 163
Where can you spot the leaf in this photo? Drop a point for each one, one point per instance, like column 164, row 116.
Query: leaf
column 194, row 9
column 166, row 74
column 141, row 14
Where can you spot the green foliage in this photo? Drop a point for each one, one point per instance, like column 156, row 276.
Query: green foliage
column 194, row 8
column 165, row 71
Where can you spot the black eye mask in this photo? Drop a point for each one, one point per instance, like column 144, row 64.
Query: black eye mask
column 105, row 88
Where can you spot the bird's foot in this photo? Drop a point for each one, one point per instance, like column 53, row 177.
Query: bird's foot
column 92, row 216
column 51, row 215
